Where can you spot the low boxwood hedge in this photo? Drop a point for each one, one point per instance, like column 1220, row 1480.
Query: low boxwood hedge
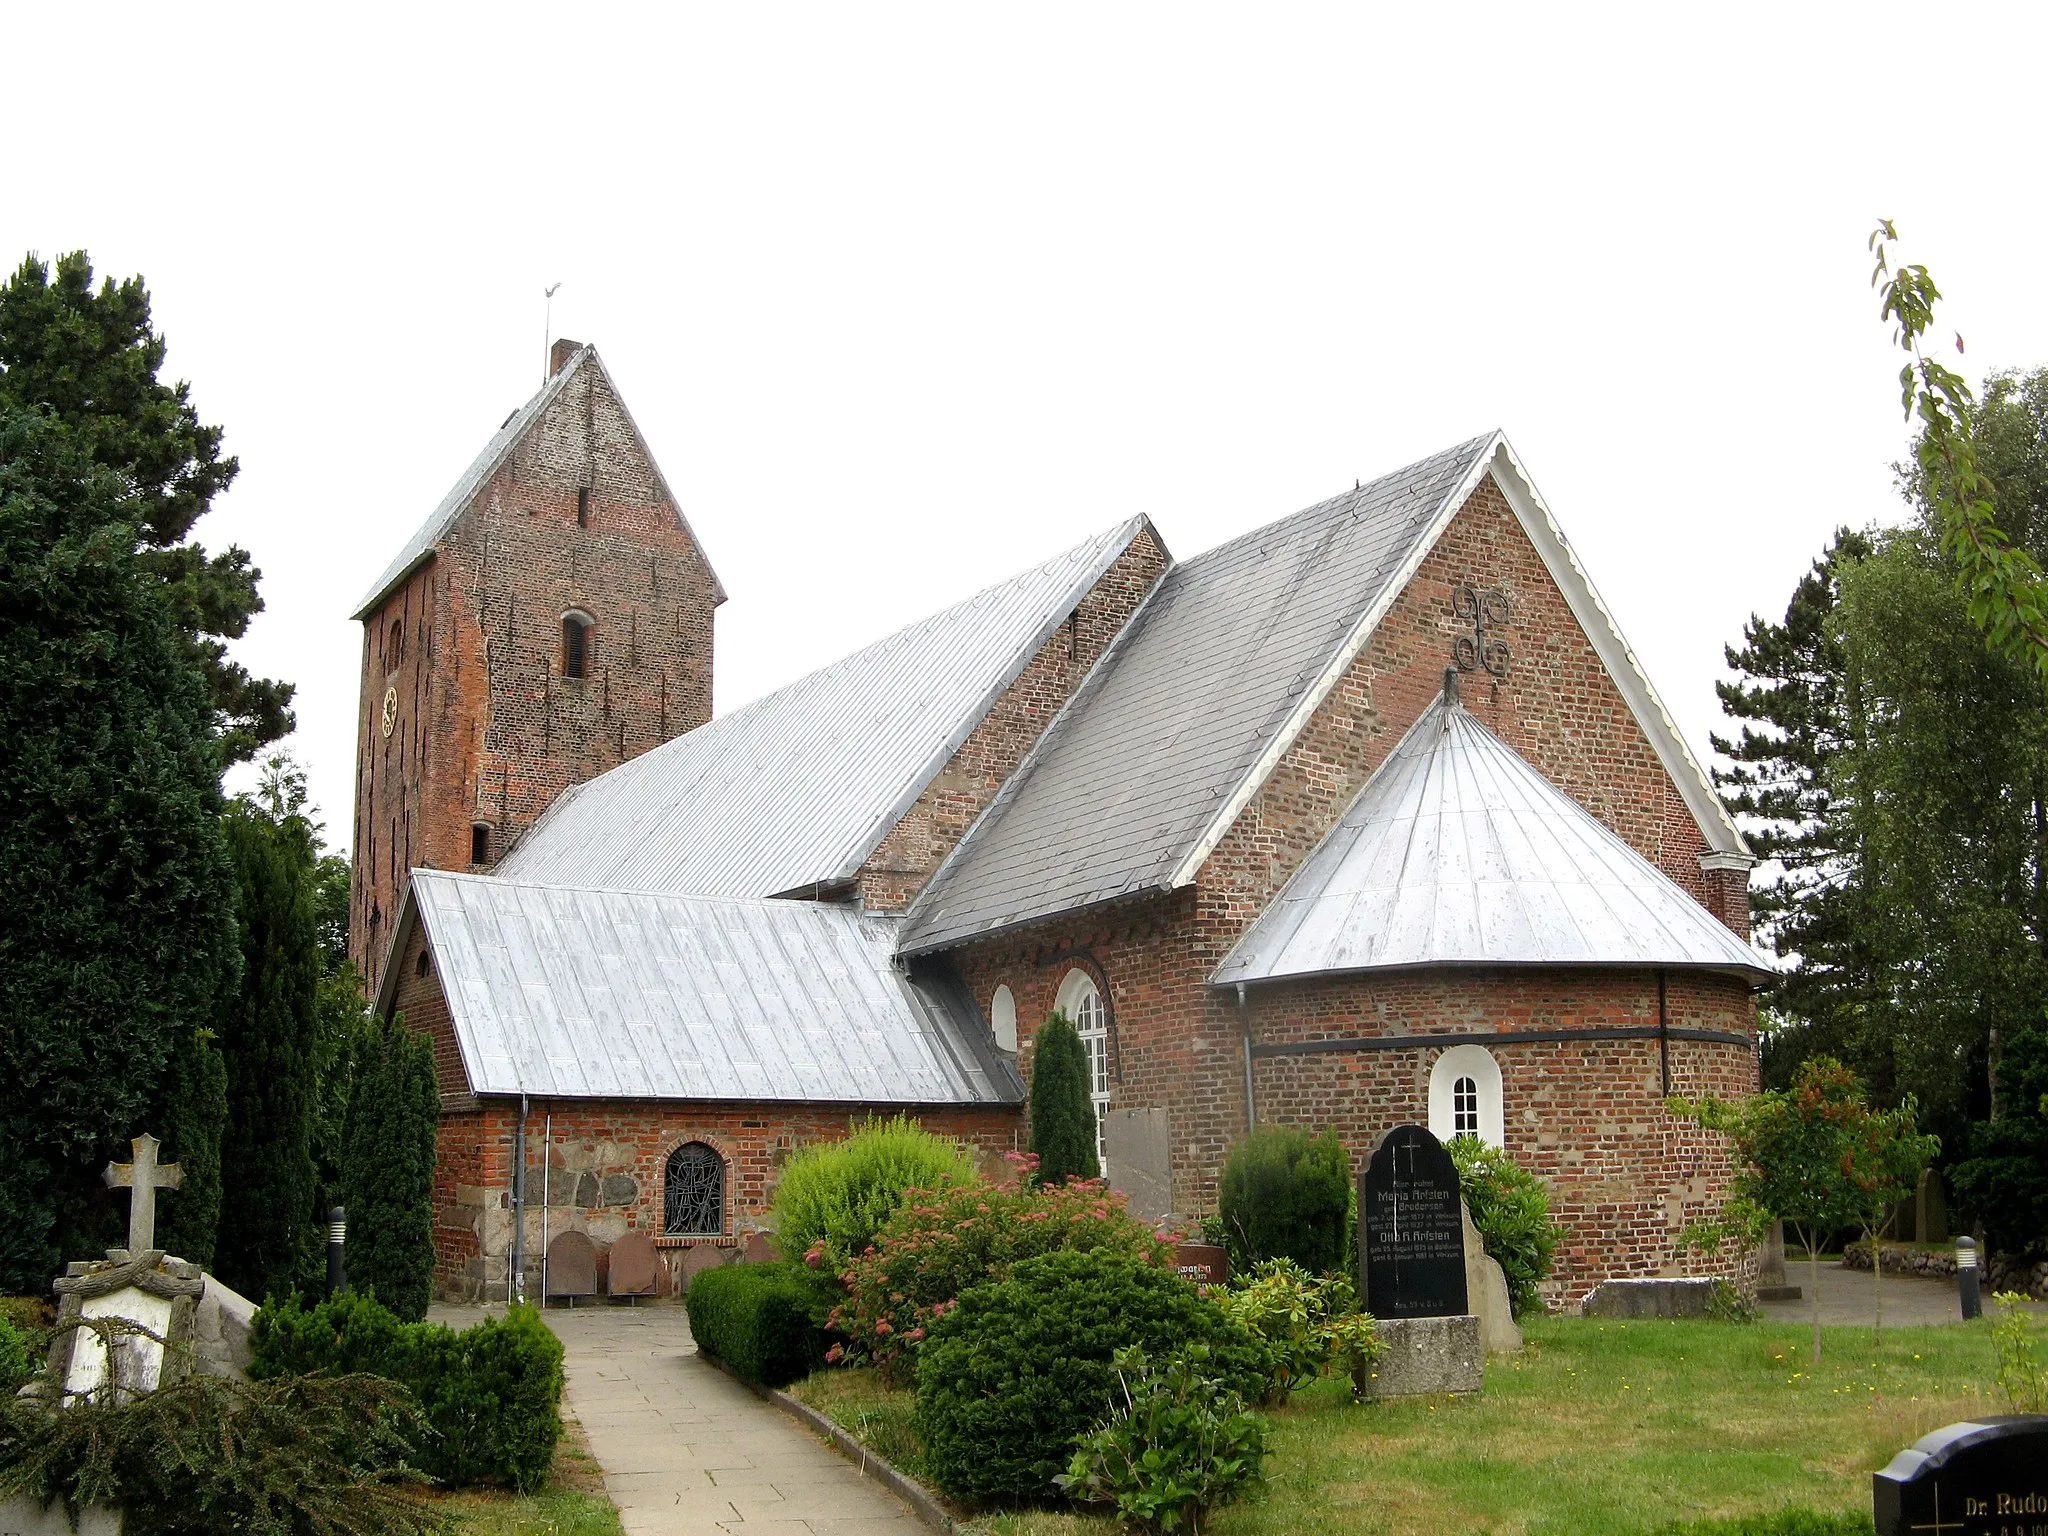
column 756, row 1318
column 490, row 1396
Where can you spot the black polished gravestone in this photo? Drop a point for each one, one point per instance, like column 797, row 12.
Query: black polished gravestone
column 1986, row 1477
column 1411, row 1235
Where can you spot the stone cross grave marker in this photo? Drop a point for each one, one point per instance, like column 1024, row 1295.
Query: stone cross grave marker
column 143, row 1178
column 1984, row 1477
column 1411, row 1234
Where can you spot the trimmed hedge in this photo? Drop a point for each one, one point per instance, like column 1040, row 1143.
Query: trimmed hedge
column 1012, row 1374
column 17, row 1363
column 490, row 1396
column 1287, row 1195
column 756, row 1318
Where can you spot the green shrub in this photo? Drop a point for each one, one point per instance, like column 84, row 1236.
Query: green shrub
column 282, row 1457
column 1062, row 1104
column 757, row 1319
column 1287, row 1195
column 834, row 1196
column 1017, row 1369
column 1511, row 1209
column 1178, row 1443
column 1310, row 1325
column 940, row 1245
column 387, row 1166
column 17, row 1358
column 490, row 1396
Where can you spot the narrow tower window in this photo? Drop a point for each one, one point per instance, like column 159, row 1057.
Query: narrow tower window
column 576, row 644
column 582, row 506
column 480, row 842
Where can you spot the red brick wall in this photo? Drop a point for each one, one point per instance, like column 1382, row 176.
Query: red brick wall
column 1178, row 1043
column 1586, row 1115
column 486, row 726
column 962, row 790
column 604, row 1165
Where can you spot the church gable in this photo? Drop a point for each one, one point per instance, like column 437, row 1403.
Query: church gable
column 951, row 802
column 1555, row 702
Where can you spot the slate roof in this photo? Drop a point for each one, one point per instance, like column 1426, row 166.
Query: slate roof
column 1148, row 763
column 567, row 993
column 1458, row 852
column 795, row 790
column 420, row 547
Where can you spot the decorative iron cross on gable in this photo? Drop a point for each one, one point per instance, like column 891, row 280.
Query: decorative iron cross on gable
column 144, row 1177
column 1483, row 611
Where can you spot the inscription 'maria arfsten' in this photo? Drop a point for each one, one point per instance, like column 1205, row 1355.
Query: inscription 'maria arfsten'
column 1411, row 1237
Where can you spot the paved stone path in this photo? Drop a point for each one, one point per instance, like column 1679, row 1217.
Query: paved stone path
column 688, row 1451
column 1846, row 1297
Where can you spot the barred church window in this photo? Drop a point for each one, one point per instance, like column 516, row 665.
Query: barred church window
column 1465, row 1096
column 1081, row 1001
column 576, row 644
column 1465, row 1107
column 694, row 1192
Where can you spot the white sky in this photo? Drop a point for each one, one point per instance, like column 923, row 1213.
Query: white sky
column 907, row 298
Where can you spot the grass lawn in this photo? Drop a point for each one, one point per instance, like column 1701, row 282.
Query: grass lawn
column 1596, row 1429
column 572, row 1503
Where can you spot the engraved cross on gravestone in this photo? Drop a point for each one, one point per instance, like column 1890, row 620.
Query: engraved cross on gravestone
column 143, row 1177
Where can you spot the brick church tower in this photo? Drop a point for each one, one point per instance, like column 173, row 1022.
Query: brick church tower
column 551, row 620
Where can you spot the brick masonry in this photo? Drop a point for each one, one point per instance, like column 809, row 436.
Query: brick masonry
column 1618, row 1165
column 485, row 728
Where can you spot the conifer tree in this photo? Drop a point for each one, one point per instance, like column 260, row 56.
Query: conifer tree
column 1062, row 1110
column 116, row 925
column 388, row 1168
column 269, row 1233
column 89, row 361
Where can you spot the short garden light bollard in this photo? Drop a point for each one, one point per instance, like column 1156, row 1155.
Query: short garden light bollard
column 337, row 1238
column 1966, row 1278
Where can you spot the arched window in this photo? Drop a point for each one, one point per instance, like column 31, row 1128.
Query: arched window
column 1465, row 1095
column 1002, row 1018
column 394, row 644
column 693, row 1197
column 480, row 842
column 1081, row 1001
column 576, row 637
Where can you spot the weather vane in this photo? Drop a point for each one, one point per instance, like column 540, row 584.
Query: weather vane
column 547, row 332
column 1483, row 611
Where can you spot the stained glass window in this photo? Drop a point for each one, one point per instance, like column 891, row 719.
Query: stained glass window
column 695, row 1193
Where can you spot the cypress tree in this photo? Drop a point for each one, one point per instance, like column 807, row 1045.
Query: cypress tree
column 116, row 930
column 269, row 1232
column 1062, row 1112
column 388, row 1167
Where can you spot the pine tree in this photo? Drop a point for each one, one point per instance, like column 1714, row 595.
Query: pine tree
column 388, row 1169
column 89, row 360
column 116, row 894
column 269, row 1233
column 1062, row 1110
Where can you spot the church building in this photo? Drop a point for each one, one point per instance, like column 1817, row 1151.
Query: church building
column 1366, row 817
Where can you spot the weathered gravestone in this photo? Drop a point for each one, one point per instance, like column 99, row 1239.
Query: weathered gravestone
column 1203, row 1263
column 633, row 1266
column 1986, row 1477
column 1411, row 1253
column 572, row 1266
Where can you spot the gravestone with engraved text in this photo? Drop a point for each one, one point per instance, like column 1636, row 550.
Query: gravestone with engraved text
column 1983, row 1477
column 1411, row 1239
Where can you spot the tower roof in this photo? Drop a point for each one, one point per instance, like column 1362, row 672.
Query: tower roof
column 420, row 547
column 1458, row 852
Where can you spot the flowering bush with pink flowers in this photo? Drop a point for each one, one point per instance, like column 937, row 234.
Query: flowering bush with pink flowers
column 942, row 1242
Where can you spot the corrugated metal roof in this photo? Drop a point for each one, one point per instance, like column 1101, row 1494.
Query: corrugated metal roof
column 567, row 993
column 1458, row 852
column 796, row 789
column 1180, row 712
column 435, row 528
